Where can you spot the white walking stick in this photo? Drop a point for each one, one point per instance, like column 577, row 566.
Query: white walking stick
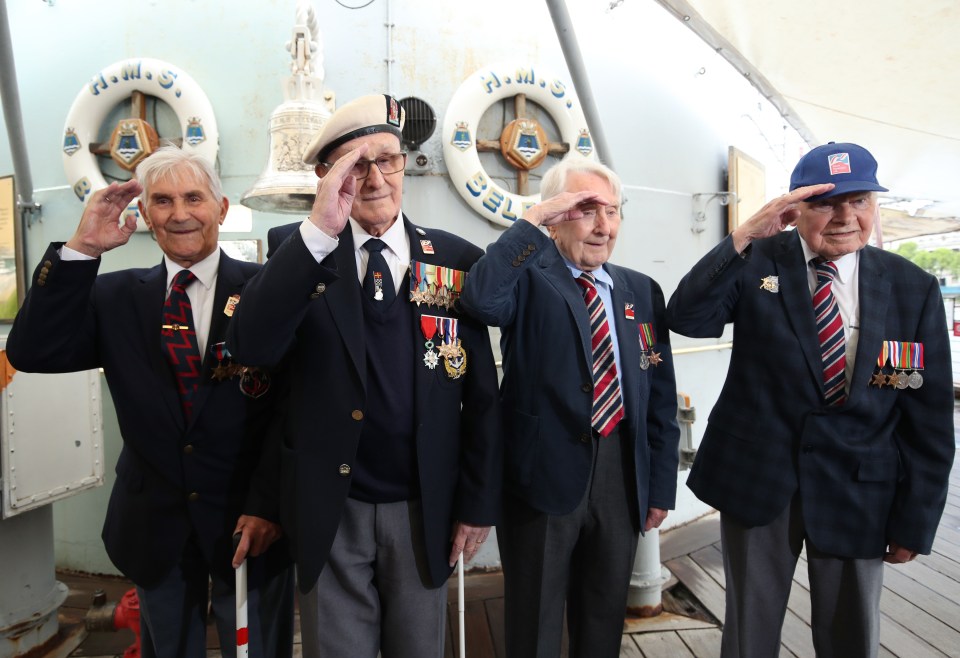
column 241, row 587
column 461, row 608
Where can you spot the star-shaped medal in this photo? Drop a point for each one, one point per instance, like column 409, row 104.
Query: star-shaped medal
column 221, row 372
column 430, row 359
column 879, row 380
column 449, row 350
column 655, row 359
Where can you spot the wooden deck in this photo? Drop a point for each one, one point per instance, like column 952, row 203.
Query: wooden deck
column 920, row 606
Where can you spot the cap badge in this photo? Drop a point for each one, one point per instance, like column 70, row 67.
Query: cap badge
column 839, row 163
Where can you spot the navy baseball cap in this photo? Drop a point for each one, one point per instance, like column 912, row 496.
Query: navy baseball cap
column 848, row 166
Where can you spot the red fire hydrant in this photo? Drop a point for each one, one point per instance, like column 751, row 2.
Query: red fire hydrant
column 124, row 614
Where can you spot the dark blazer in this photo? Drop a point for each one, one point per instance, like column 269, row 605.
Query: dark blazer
column 72, row 320
column 312, row 314
column 523, row 286
column 870, row 471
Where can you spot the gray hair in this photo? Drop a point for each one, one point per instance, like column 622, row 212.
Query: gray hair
column 170, row 163
column 555, row 180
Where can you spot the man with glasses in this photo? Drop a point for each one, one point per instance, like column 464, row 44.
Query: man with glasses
column 391, row 450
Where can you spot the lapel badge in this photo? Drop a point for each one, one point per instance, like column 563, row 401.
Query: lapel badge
column 231, row 305
column 427, row 246
column 770, row 283
column 628, row 311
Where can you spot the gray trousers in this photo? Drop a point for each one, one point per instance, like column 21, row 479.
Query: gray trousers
column 371, row 594
column 759, row 564
column 583, row 558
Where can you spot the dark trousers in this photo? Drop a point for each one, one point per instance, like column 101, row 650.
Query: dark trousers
column 583, row 558
column 173, row 615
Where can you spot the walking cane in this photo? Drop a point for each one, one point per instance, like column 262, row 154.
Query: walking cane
column 461, row 608
column 241, row 587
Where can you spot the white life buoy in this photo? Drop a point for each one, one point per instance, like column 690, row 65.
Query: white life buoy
column 471, row 100
column 116, row 83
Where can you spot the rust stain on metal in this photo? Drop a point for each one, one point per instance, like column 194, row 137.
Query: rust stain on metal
column 644, row 611
column 7, row 371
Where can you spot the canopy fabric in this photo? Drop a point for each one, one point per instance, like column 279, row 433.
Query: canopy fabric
column 881, row 73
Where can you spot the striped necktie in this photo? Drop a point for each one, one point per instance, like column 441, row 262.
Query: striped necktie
column 607, row 401
column 178, row 337
column 830, row 332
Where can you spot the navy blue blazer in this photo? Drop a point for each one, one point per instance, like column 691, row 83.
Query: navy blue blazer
column 311, row 315
column 868, row 472
column 523, row 286
column 73, row 320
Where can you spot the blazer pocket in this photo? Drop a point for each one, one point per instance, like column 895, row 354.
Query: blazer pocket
column 877, row 470
column 523, row 440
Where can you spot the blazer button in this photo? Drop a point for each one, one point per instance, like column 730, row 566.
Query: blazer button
column 532, row 247
column 516, row 263
column 188, row 449
column 344, row 470
column 585, row 437
column 356, row 414
column 48, row 263
column 314, row 295
column 586, row 387
column 193, row 497
column 321, row 287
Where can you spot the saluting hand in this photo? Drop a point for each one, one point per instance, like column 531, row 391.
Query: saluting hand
column 100, row 229
column 777, row 215
column 564, row 207
column 336, row 191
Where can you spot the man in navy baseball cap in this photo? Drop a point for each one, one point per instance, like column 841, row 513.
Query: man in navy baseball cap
column 851, row 168
column 826, row 436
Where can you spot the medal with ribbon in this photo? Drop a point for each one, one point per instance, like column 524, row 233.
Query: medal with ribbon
column 454, row 356
column 429, row 324
column 647, row 340
column 435, row 285
column 253, row 381
column 879, row 377
column 899, row 378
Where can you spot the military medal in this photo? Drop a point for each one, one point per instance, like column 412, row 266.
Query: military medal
column 913, row 360
column 427, row 246
column 647, row 341
column 628, row 311
column 221, row 371
column 655, row 359
column 429, row 325
column 879, row 380
column 879, row 376
column 454, row 356
column 435, row 285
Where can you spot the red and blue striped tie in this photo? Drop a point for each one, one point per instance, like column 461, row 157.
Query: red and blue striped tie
column 179, row 339
column 607, row 401
column 830, row 332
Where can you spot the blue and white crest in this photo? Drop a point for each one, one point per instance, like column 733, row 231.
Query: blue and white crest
column 71, row 143
column 461, row 136
column 129, row 146
column 195, row 134
column 584, row 143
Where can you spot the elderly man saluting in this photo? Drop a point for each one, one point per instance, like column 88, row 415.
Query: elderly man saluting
column 391, row 452
column 590, row 406
column 834, row 428
column 193, row 469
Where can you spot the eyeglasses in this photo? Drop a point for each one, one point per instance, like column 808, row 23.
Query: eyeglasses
column 389, row 163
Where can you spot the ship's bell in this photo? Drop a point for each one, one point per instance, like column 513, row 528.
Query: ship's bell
column 287, row 185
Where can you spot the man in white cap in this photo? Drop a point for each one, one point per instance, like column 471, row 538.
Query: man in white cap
column 826, row 435
column 391, row 452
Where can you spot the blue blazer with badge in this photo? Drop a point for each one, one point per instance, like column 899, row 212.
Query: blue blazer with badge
column 524, row 286
column 173, row 479
column 870, row 471
column 311, row 314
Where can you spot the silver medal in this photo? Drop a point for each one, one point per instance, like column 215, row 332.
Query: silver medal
column 644, row 361
column 915, row 380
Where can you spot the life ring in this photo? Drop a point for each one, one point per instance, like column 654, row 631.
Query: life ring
column 471, row 100
column 116, row 83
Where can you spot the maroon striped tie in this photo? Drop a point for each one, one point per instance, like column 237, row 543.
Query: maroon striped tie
column 607, row 401
column 830, row 333
column 179, row 340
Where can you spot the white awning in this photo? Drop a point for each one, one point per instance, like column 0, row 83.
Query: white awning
column 881, row 73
